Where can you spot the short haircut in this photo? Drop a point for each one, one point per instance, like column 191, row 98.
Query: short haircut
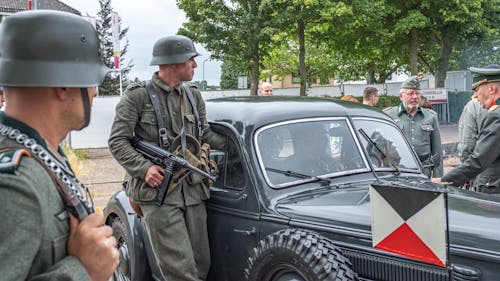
column 369, row 92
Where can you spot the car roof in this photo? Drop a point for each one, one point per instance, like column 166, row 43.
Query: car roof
column 260, row 111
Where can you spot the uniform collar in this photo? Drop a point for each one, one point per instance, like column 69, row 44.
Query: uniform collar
column 402, row 109
column 156, row 79
column 26, row 129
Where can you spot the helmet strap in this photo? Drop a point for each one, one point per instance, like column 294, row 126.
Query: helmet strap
column 86, row 106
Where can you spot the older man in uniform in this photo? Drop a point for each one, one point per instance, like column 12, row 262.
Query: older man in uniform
column 420, row 126
column 163, row 111
column 484, row 162
column 49, row 67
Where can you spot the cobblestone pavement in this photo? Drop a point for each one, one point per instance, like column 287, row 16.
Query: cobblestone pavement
column 102, row 174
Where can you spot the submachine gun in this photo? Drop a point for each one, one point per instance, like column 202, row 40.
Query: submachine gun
column 167, row 160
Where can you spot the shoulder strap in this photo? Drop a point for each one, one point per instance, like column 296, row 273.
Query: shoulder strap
column 68, row 184
column 162, row 131
column 10, row 157
column 192, row 101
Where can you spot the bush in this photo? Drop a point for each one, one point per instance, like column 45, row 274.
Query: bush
column 385, row 101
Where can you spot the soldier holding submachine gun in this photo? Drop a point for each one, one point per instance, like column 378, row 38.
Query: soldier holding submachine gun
column 170, row 114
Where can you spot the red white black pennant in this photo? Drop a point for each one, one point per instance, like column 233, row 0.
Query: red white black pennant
column 410, row 222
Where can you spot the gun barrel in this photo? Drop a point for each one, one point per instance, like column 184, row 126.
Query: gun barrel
column 160, row 155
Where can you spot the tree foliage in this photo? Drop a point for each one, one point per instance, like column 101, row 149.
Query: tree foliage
column 346, row 40
column 111, row 84
column 231, row 30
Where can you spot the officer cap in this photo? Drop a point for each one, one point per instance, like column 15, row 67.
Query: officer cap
column 173, row 50
column 490, row 73
column 411, row 83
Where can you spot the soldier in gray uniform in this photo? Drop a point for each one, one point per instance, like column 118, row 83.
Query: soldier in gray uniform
column 420, row 126
column 468, row 128
column 177, row 228
column 484, row 162
column 49, row 67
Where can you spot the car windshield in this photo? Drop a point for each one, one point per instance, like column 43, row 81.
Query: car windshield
column 385, row 145
column 305, row 151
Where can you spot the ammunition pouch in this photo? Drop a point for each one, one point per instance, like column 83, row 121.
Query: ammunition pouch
column 196, row 155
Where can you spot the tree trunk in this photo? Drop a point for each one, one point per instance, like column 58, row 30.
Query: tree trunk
column 370, row 74
column 301, row 26
column 414, row 52
column 442, row 62
column 254, row 70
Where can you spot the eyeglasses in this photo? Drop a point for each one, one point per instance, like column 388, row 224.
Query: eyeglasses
column 412, row 93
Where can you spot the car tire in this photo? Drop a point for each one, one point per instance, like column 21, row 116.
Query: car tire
column 295, row 254
column 121, row 234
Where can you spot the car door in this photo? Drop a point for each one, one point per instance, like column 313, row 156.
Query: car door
column 233, row 212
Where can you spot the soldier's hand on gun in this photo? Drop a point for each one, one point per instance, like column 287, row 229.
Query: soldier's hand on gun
column 94, row 245
column 154, row 176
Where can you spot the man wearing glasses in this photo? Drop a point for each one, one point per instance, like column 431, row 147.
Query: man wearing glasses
column 484, row 162
column 420, row 126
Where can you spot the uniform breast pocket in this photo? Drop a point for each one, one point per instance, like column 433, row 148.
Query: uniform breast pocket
column 53, row 248
column 59, row 248
column 148, row 122
column 426, row 131
column 190, row 123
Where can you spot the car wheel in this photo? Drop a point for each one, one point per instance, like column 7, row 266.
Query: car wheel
column 297, row 255
column 123, row 241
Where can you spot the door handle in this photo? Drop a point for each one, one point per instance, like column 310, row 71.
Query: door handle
column 250, row 232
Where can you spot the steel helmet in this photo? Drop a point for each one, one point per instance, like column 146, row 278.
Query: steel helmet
column 172, row 50
column 45, row 48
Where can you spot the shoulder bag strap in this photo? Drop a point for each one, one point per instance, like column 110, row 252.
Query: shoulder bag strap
column 162, row 131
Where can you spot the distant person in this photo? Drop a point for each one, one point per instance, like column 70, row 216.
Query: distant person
column 484, row 162
column 420, row 126
column 370, row 96
column 266, row 89
column 50, row 68
column 425, row 103
column 349, row 98
column 468, row 127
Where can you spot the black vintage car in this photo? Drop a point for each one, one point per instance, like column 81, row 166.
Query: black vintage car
column 292, row 200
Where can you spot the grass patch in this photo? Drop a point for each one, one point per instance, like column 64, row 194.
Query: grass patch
column 75, row 157
column 80, row 154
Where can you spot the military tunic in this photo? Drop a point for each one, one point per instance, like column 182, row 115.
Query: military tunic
column 485, row 159
column 33, row 239
column 177, row 228
column 422, row 130
column 468, row 128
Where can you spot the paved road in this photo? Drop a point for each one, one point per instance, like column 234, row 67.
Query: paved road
column 449, row 137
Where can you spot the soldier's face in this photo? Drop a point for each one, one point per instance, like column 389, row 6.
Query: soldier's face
column 410, row 99
column 484, row 94
column 186, row 70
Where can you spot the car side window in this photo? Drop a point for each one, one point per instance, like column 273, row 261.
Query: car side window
column 231, row 172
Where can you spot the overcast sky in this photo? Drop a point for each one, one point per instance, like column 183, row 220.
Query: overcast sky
column 149, row 20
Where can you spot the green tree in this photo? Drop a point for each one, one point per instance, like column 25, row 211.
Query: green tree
column 230, row 71
column 230, row 30
column 475, row 51
column 365, row 43
column 434, row 28
column 111, row 84
column 296, row 22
